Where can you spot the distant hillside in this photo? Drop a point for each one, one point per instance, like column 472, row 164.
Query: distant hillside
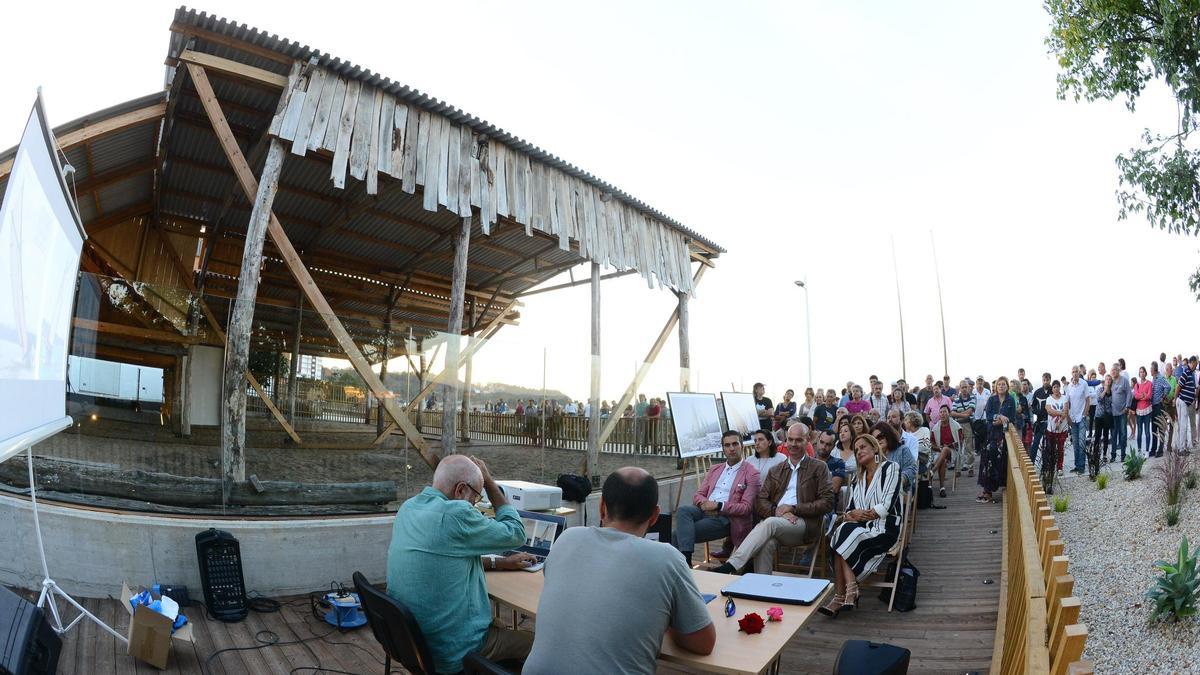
column 407, row 382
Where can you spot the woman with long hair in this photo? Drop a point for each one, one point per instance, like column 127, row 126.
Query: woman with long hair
column 893, row 450
column 897, row 401
column 1143, row 393
column 809, row 407
column 766, row 453
column 859, row 425
column 868, row 529
column 843, row 448
column 1104, row 420
column 785, row 410
column 1001, row 411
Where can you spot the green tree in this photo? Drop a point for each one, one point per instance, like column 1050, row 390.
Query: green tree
column 1113, row 49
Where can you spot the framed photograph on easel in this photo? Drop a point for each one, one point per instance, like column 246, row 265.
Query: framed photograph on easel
column 741, row 415
column 696, row 423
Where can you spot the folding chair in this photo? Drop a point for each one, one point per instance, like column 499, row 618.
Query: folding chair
column 815, row 549
column 896, row 554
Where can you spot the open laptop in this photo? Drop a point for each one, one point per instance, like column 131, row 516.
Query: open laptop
column 541, row 529
column 770, row 588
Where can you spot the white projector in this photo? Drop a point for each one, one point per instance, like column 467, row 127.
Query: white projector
column 531, row 496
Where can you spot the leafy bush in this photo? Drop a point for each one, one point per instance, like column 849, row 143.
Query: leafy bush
column 1133, row 466
column 1174, row 593
column 1172, row 514
column 1101, row 481
column 1061, row 502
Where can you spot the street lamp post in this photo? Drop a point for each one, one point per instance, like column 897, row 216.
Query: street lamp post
column 803, row 284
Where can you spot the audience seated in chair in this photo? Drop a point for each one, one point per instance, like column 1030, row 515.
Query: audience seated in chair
column 724, row 504
column 870, row 526
column 793, row 499
column 610, row 595
column 435, row 566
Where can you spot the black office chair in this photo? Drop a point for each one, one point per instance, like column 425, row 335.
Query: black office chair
column 861, row 657
column 475, row 664
column 395, row 628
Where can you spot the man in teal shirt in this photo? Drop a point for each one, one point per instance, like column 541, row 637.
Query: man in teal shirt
column 435, row 568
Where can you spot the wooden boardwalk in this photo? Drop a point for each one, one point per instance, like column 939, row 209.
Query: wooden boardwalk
column 951, row 631
column 953, row 627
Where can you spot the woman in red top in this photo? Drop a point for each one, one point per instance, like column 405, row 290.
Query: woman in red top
column 1143, row 393
column 945, row 442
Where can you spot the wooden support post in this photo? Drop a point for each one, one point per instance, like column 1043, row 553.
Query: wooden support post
column 466, row 395
column 641, row 372
column 233, row 408
column 294, row 368
column 291, row 258
column 592, row 470
column 685, row 350
column 458, row 287
column 184, row 378
column 277, row 375
column 383, row 365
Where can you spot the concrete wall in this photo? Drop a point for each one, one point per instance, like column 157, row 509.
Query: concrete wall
column 90, row 553
column 204, row 390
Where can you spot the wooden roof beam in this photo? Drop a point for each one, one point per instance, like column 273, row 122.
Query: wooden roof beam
column 239, row 71
column 133, row 118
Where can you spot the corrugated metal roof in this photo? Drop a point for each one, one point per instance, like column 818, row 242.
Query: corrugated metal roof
column 301, row 52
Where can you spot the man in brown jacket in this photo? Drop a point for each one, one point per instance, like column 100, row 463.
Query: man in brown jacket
column 794, row 496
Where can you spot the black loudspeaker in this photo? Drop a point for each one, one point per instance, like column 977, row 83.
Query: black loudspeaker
column 859, row 657
column 220, row 558
column 28, row 646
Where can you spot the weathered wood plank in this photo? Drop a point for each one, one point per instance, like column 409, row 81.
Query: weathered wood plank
column 291, row 116
column 454, row 159
column 325, row 110
column 466, row 146
column 424, row 128
column 377, row 141
column 433, row 165
column 346, row 123
column 443, row 172
column 234, row 69
column 364, row 126
column 312, row 98
column 501, row 183
column 337, row 106
column 408, row 169
column 387, row 135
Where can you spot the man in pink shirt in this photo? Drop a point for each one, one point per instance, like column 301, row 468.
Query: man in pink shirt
column 933, row 409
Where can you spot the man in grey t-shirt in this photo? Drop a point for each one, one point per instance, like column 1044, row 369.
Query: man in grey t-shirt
column 610, row 595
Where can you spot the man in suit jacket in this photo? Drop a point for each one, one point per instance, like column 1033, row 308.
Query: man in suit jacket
column 794, row 496
column 724, row 504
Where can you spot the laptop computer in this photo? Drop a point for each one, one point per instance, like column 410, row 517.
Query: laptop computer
column 769, row 588
column 541, row 529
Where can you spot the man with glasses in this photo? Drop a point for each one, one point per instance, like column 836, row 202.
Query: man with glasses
column 794, row 497
column 435, row 564
column 724, row 504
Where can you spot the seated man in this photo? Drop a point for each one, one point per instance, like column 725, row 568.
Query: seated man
column 794, row 497
column 610, row 595
column 435, row 566
column 723, row 506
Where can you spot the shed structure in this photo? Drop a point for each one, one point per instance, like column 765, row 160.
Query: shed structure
column 268, row 177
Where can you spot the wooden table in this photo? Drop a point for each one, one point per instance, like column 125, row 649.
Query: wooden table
column 734, row 652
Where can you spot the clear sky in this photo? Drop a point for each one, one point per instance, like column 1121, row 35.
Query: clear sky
column 802, row 137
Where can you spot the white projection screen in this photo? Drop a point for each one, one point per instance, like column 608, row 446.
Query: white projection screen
column 40, row 241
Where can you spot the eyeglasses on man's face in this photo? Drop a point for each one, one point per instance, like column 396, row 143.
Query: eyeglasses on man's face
column 478, row 494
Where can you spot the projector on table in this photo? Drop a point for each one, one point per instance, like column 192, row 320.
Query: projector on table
column 531, row 496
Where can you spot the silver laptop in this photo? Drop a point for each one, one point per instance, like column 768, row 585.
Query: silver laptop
column 769, row 588
column 541, row 530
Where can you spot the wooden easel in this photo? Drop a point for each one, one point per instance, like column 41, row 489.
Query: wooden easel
column 698, row 464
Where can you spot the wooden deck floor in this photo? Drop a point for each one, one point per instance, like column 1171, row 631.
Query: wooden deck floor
column 951, row 631
column 953, row 627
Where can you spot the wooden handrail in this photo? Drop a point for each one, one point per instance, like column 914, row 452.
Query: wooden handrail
column 1037, row 625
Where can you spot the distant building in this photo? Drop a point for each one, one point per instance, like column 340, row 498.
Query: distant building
column 309, row 367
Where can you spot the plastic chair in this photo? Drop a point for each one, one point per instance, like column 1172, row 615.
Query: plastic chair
column 395, row 629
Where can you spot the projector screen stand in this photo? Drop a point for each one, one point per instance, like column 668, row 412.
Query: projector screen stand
column 50, row 589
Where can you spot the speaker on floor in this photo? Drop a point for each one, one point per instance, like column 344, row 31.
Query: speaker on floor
column 860, row 657
column 28, row 645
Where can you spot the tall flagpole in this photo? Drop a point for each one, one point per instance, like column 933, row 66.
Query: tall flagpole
column 900, row 311
column 941, row 313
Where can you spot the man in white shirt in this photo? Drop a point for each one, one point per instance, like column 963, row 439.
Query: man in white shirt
column 724, row 504
column 1078, row 403
column 794, row 497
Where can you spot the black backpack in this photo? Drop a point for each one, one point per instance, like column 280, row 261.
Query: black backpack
column 575, row 488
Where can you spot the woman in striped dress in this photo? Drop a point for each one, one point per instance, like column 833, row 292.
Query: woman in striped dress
column 870, row 526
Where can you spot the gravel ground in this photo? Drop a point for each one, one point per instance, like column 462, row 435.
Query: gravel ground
column 1113, row 537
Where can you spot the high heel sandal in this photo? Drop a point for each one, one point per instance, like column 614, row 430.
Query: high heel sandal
column 851, row 596
column 833, row 607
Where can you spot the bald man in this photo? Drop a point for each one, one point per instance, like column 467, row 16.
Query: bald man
column 435, row 566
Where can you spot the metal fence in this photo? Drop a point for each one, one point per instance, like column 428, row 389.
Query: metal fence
column 631, row 436
column 315, row 400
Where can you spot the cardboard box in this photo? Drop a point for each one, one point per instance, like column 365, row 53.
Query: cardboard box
column 150, row 632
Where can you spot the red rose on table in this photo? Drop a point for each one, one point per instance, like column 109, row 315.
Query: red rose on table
column 751, row 623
